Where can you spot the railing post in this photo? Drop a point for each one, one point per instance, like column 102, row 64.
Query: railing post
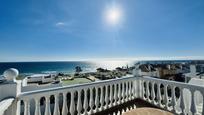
column 119, row 93
column 173, row 98
column 182, row 103
column 26, row 107
column 56, row 107
column 85, row 102
column 47, row 105
column 111, row 96
column 139, row 88
column 106, row 97
column 153, row 93
column 11, row 88
column 123, row 92
column 126, row 91
column 135, row 89
column 79, row 104
column 193, row 104
column 37, row 106
column 91, row 101
column 115, row 94
column 142, row 89
column 147, row 91
column 96, row 99
column 64, row 108
column 102, row 98
column 166, row 100
column 159, row 95
column 72, row 104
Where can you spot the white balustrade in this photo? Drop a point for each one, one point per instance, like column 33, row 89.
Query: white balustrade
column 175, row 103
column 94, row 97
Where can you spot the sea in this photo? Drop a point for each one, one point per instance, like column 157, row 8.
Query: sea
column 29, row 68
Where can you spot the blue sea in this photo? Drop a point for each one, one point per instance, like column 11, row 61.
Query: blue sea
column 29, row 68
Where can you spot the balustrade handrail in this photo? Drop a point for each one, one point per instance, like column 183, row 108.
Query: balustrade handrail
column 75, row 86
column 113, row 92
column 176, row 83
column 180, row 84
column 178, row 97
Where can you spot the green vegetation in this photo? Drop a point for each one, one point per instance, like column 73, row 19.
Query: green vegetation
column 20, row 77
column 75, row 81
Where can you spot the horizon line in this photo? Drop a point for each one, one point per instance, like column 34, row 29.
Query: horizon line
column 117, row 59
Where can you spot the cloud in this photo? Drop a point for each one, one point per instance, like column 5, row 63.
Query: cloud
column 60, row 24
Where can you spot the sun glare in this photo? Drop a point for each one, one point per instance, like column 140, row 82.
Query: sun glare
column 113, row 16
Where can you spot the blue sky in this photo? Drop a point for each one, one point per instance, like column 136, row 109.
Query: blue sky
column 76, row 29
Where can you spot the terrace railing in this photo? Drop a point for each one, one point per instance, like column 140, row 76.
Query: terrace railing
column 179, row 98
column 80, row 99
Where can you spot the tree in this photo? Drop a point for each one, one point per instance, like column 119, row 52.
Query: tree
column 77, row 70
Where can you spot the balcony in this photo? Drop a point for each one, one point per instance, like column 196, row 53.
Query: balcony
column 114, row 96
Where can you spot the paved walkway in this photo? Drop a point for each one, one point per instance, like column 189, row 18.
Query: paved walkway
column 147, row 111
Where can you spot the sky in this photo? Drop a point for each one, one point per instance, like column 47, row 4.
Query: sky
column 34, row 30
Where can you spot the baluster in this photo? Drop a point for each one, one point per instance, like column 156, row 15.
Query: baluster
column 147, row 91
column 111, row 95
column 79, row 105
column 153, row 93
column 138, row 90
column 27, row 107
column 47, row 105
column 193, row 103
column 56, row 108
column 134, row 89
column 126, row 91
column 72, row 104
column 64, row 108
column 143, row 89
column 85, row 102
column 123, row 92
column 173, row 99
column 115, row 94
column 119, row 93
column 91, row 104
column 130, row 91
column 37, row 106
column 132, row 95
column 182, row 104
column 159, row 94
column 106, row 97
column 96, row 99
column 166, row 100
column 102, row 98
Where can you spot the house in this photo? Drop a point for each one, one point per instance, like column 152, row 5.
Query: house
column 41, row 78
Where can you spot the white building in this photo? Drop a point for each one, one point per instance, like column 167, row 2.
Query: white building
column 148, row 70
column 194, row 73
column 43, row 78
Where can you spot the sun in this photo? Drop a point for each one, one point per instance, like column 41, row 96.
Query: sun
column 113, row 15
